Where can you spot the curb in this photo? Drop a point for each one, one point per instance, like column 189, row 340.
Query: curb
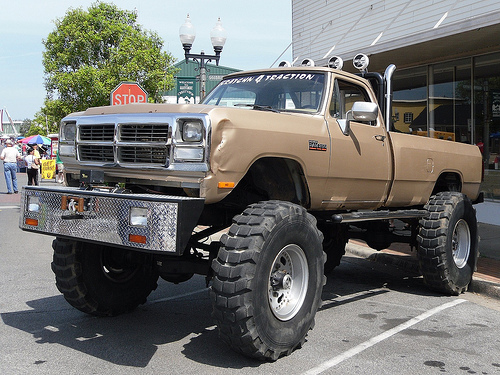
column 409, row 263
column 484, row 288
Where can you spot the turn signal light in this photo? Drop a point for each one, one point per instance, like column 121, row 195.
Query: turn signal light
column 32, row 222
column 137, row 238
column 226, row 185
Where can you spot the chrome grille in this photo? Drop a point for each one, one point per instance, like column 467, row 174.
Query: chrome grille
column 143, row 132
column 96, row 153
column 98, row 144
column 97, row 132
column 141, row 154
column 140, row 141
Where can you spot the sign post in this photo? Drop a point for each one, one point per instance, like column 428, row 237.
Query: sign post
column 186, row 90
column 127, row 93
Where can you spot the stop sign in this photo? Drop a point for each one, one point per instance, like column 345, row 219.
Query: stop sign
column 127, row 93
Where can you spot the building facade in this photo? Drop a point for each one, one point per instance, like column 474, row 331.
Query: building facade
column 447, row 53
column 10, row 130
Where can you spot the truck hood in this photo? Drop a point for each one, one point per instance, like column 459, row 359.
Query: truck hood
column 145, row 108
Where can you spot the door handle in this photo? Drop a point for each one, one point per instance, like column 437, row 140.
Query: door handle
column 379, row 137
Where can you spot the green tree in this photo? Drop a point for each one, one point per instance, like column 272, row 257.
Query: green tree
column 91, row 51
column 36, row 128
column 25, row 126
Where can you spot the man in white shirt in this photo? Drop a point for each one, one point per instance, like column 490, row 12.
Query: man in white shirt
column 10, row 155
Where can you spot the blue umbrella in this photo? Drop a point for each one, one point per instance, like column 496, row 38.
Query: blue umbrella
column 37, row 139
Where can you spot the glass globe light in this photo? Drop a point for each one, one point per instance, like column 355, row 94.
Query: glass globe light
column 187, row 33
column 218, row 36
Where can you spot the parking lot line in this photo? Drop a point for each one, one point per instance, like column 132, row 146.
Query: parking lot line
column 375, row 340
column 178, row 296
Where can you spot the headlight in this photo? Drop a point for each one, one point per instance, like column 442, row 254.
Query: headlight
column 138, row 216
column 33, row 203
column 68, row 132
column 192, row 131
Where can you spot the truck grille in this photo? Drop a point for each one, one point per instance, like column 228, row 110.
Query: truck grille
column 102, row 154
column 101, row 143
column 143, row 132
column 104, row 132
column 145, row 155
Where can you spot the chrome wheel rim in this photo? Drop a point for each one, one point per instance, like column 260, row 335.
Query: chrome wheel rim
column 460, row 243
column 288, row 281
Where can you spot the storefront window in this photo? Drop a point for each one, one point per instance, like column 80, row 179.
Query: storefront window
column 409, row 106
column 487, row 119
column 450, row 101
column 439, row 101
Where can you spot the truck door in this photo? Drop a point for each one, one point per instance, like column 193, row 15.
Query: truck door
column 360, row 166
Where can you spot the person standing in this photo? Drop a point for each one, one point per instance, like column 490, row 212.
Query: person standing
column 35, row 150
column 32, row 166
column 60, row 169
column 10, row 155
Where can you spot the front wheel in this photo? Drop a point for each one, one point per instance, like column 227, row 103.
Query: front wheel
column 101, row 280
column 268, row 280
column 448, row 243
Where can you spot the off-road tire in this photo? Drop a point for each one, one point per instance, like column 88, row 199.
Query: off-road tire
column 99, row 280
column 448, row 243
column 267, row 237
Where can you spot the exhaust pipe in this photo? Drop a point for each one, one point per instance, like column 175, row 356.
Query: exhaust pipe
column 389, row 71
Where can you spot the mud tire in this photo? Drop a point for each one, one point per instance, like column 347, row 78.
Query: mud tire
column 100, row 280
column 448, row 243
column 244, row 303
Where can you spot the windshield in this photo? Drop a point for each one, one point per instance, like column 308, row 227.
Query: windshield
column 285, row 91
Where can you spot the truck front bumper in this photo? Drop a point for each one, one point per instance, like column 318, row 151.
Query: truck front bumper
column 145, row 222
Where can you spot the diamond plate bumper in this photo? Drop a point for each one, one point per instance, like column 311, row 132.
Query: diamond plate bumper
column 104, row 217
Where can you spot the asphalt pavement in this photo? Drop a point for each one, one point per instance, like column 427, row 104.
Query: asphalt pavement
column 486, row 280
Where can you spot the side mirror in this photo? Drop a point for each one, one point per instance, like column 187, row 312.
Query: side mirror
column 361, row 111
column 364, row 111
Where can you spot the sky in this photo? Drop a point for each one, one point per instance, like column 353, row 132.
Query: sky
column 258, row 31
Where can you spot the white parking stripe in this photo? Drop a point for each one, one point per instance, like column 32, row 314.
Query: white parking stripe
column 375, row 340
column 178, row 296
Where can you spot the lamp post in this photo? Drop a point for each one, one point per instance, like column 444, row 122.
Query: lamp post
column 187, row 34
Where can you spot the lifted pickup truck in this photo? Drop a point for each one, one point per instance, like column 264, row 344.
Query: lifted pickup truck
column 293, row 160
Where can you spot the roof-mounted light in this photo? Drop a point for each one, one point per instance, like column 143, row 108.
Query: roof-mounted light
column 335, row 62
column 284, row 64
column 361, row 62
column 307, row 62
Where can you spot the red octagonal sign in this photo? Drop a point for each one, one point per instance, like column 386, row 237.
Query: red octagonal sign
column 127, row 93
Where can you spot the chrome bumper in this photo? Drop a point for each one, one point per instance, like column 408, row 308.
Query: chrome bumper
column 104, row 217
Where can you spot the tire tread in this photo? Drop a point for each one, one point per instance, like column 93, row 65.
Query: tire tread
column 432, row 240
column 234, row 268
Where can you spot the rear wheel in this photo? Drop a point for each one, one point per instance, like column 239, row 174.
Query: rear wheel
column 101, row 280
column 448, row 243
column 268, row 280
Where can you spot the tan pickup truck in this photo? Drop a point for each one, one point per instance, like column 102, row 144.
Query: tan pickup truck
column 290, row 162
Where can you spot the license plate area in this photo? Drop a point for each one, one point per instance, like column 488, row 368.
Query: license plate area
column 74, row 203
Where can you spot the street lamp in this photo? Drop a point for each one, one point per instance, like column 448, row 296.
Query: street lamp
column 187, row 34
